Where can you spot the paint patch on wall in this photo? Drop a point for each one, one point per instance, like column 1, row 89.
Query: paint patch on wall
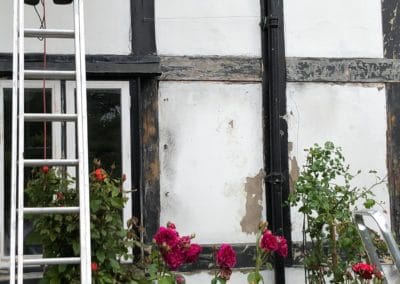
column 254, row 203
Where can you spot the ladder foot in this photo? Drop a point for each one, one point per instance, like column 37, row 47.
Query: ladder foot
column 62, row 2
column 32, row 2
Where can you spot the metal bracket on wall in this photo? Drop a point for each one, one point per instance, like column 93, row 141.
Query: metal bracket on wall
column 271, row 21
column 275, row 178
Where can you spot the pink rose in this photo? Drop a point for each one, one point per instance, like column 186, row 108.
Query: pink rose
column 282, row 246
column 166, row 237
column 268, row 241
column 226, row 256
column 193, row 253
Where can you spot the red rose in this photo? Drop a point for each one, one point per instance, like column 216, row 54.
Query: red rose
column 45, row 169
column 166, row 237
column 268, row 241
column 95, row 267
column 99, row 174
column 226, row 256
column 282, row 246
column 184, row 242
column 365, row 270
column 174, row 258
column 193, row 253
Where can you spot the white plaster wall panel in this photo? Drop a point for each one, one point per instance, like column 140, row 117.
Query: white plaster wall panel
column 340, row 28
column 352, row 116
column 223, row 27
column 210, row 144
column 107, row 27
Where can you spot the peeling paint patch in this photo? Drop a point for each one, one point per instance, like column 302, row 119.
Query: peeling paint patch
column 253, row 216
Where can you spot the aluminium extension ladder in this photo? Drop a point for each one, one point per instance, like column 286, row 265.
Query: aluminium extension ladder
column 365, row 234
column 19, row 117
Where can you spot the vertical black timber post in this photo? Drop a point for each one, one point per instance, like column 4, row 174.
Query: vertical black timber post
column 144, row 43
column 143, row 28
column 275, row 127
column 135, row 148
column 391, row 44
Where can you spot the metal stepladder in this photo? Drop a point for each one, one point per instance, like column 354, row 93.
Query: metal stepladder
column 18, row 162
column 365, row 234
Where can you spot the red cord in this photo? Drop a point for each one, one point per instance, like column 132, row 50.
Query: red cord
column 44, row 82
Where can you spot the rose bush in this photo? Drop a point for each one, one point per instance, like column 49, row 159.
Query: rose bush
column 267, row 245
column 59, row 233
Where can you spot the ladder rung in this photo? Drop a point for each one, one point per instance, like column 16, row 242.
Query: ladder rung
column 50, row 162
column 50, row 117
column 52, row 261
column 49, row 33
column 49, row 74
column 50, row 210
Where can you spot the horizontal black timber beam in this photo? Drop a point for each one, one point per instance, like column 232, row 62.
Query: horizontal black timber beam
column 244, row 253
column 210, row 68
column 97, row 66
column 353, row 70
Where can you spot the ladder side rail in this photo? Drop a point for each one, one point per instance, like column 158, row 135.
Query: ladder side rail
column 383, row 226
column 14, row 136
column 21, row 126
column 380, row 220
column 83, row 183
column 367, row 241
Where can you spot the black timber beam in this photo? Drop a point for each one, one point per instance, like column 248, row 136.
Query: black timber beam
column 98, row 67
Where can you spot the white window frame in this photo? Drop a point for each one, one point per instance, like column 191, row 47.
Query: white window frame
column 54, row 86
column 125, row 132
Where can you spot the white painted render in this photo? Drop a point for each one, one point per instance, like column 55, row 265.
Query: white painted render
column 340, row 28
column 352, row 116
column 208, row 27
column 210, row 142
column 107, row 27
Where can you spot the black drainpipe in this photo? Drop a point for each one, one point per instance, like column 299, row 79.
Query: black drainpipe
column 275, row 127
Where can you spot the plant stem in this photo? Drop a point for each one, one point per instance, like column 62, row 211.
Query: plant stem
column 332, row 230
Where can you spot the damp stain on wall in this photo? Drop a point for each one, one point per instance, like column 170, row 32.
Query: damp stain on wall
column 254, row 201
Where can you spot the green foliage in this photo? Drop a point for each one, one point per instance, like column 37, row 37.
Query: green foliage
column 59, row 233
column 326, row 197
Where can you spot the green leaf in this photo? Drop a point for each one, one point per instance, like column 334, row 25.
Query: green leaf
column 100, row 256
column 95, row 205
column 166, row 280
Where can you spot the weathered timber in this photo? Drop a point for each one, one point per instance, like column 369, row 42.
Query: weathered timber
column 346, row 70
column 391, row 36
column 244, row 254
column 150, row 164
column 211, row 68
